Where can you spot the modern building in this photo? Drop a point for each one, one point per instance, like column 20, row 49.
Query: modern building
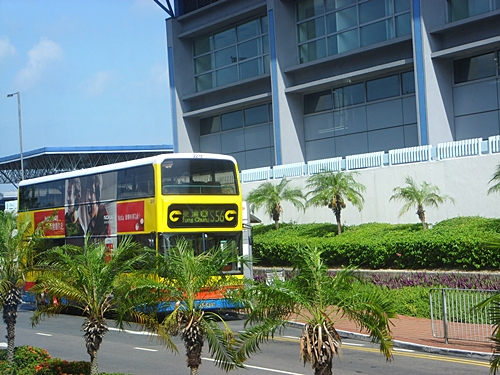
column 274, row 82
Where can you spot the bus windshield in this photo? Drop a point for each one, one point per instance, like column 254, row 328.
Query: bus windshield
column 202, row 242
column 199, row 176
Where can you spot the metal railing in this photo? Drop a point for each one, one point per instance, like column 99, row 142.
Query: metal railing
column 467, row 147
column 410, row 155
column 369, row 160
column 417, row 154
column 494, row 144
column 289, row 170
column 453, row 315
column 256, row 174
column 272, row 275
column 318, row 166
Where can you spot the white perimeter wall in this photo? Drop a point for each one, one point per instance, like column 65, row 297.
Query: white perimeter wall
column 465, row 179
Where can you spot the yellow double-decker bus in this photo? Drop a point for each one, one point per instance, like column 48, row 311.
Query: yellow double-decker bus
column 156, row 200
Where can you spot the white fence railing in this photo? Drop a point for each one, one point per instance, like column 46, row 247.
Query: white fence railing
column 456, row 149
column 370, row 160
column 410, row 155
column 289, row 170
column 494, row 144
column 256, row 174
column 318, row 166
column 467, row 147
column 454, row 316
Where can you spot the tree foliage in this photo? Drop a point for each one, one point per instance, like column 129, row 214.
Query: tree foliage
column 270, row 196
column 414, row 196
column 17, row 253
column 190, row 280
column 496, row 181
column 93, row 280
column 333, row 189
column 492, row 306
column 320, row 300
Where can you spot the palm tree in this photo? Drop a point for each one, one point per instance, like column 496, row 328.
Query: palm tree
column 492, row 306
column 418, row 197
column 91, row 280
column 191, row 280
column 332, row 189
column 270, row 196
column 496, row 179
column 318, row 299
column 17, row 251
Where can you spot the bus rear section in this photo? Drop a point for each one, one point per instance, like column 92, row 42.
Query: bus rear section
column 201, row 202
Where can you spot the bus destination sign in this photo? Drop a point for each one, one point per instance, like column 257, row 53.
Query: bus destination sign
column 202, row 215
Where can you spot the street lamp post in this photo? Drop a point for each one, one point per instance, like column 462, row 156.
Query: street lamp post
column 20, row 129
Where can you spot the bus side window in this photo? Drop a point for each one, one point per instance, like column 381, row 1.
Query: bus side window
column 143, row 189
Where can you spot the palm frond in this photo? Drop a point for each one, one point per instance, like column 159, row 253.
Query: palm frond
column 372, row 310
column 48, row 309
column 269, row 196
column 248, row 342
column 220, row 344
column 262, row 301
column 17, row 243
column 414, row 196
column 495, row 188
column 492, row 306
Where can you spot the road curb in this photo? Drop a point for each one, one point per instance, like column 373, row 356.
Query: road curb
column 410, row 346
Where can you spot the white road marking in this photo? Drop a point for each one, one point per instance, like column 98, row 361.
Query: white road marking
column 262, row 368
column 145, row 349
column 3, row 344
column 404, row 350
column 131, row 332
column 44, row 334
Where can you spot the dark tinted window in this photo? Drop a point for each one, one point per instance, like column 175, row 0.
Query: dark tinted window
column 136, row 182
column 320, row 101
column 209, row 125
column 382, row 88
column 476, row 67
column 408, row 83
column 349, row 95
column 199, row 176
column 232, row 120
column 44, row 195
column 256, row 115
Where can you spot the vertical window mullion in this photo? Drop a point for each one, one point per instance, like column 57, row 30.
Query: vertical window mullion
column 358, row 26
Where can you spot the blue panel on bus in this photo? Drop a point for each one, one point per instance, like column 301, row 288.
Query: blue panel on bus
column 206, row 305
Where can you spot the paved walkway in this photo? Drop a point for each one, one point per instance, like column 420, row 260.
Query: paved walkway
column 416, row 334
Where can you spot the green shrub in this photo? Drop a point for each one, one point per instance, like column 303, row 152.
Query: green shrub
column 29, row 360
column 26, row 359
column 58, row 366
column 409, row 301
column 412, row 301
column 458, row 243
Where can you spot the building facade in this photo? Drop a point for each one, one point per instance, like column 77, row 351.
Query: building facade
column 274, row 82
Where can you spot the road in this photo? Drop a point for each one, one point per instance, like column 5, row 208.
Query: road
column 134, row 352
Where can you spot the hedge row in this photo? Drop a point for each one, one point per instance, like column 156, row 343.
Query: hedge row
column 458, row 243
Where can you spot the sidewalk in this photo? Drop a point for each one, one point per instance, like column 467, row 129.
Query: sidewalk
column 416, row 334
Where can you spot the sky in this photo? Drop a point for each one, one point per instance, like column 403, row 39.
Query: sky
column 89, row 73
